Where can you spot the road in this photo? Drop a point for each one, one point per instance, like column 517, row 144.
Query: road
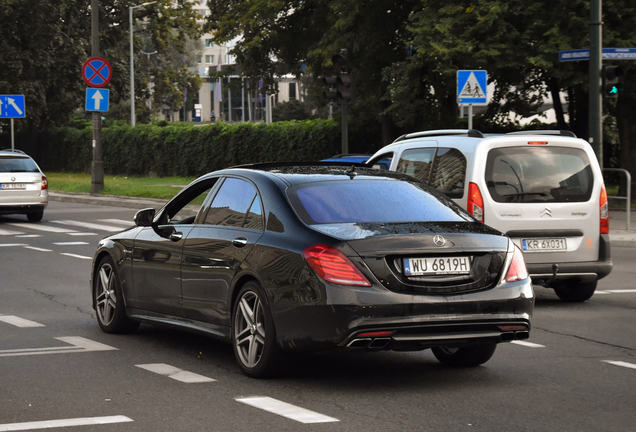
column 58, row 365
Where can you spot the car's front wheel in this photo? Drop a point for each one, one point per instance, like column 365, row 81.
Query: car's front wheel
column 253, row 333
column 576, row 292
column 466, row 356
column 109, row 303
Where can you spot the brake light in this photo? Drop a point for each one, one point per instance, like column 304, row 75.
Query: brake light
column 517, row 270
column 375, row 334
column 475, row 202
column 604, row 211
column 45, row 183
column 538, row 142
column 333, row 266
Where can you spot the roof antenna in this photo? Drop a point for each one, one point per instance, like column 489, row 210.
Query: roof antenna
column 351, row 172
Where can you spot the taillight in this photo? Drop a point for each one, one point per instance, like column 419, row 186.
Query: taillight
column 538, row 142
column 45, row 183
column 475, row 202
column 331, row 265
column 604, row 211
column 517, row 270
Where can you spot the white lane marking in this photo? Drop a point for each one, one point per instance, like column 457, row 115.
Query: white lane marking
column 13, row 244
column 175, row 373
column 86, row 421
column 117, row 221
column 76, row 256
column 28, row 236
column 38, row 249
column 287, row 410
column 82, row 234
column 40, row 227
column 78, row 344
column 9, row 232
column 89, row 225
column 622, row 291
column 70, row 243
column 19, row 322
column 528, row 344
column 601, row 292
column 620, row 363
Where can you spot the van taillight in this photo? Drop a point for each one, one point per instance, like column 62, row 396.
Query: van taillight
column 604, row 211
column 45, row 183
column 475, row 202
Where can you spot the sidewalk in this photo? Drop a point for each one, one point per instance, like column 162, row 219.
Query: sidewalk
column 619, row 235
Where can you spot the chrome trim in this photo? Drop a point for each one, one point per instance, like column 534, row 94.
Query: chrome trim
column 445, row 336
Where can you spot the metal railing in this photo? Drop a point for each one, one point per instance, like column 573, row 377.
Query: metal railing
column 627, row 198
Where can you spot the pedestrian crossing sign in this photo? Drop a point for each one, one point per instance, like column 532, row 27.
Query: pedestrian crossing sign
column 472, row 86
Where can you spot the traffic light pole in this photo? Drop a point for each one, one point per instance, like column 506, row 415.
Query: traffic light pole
column 596, row 101
column 97, row 167
column 345, row 129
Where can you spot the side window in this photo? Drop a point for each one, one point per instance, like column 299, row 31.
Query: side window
column 254, row 218
column 449, row 172
column 382, row 162
column 417, row 162
column 231, row 204
column 186, row 209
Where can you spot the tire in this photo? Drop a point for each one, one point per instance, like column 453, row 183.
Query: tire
column 108, row 300
column 35, row 216
column 576, row 292
column 465, row 357
column 253, row 333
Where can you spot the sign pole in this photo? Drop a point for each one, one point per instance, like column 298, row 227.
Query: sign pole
column 470, row 116
column 596, row 102
column 97, row 167
column 12, row 139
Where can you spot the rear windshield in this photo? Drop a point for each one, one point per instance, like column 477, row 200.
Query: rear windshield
column 539, row 174
column 370, row 201
column 17, row 164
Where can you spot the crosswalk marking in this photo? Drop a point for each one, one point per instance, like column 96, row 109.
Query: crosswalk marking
column 287, row 410
column 19, row 322
column 117, row 221
column 77, row 345
column 9, row 232
column 622, row 291
column 28, row 236
column 620, row 363
column 12, row 244
column 175, row 373
column 86, row 421
column 89, row 225
column 76, row 256
column 82, row 234
column 41, row 227
column 38, row 249
column 77, row 243
column 528, row 344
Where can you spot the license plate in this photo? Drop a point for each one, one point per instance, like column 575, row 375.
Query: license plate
column 543, row 244
column 13, row 186
column 436, row 266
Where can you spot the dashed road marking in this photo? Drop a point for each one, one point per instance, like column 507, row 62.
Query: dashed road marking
column 175, row 373
column 82, row 234
column 78, row 344
column 9, row 232
column 528, row 344
column 38, row 249
column 287, row 410
column 117, row 221
column 77, row 256
column 620, row 363
column 621, row 291
column 77, row 243
column 41, row 227
column 19, row 322
column 86, row 421
column 13, row 244
column 89, row 225
column 28, row 236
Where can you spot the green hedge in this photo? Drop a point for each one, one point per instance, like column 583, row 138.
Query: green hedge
column 183, row 150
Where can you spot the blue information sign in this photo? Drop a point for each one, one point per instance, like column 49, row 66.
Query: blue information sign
column 472, row 86
column 608, row 54
column 97, row 99
column 12, row 106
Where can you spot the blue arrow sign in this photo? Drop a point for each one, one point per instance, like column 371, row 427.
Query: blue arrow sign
column 472, row 86
column 97, row 99
column 12, row 106
column 608, row 54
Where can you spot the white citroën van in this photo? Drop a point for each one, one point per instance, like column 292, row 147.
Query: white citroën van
column 544, row 189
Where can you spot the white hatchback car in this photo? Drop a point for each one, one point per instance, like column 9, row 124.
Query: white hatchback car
column 544, row 189
column 23, row 187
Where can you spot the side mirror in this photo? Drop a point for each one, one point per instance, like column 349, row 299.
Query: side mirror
column 144, row 218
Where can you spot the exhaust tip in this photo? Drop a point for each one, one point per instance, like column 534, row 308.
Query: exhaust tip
column 507, row 336
column 522, row 335
column 379, row 343
column 359, row 343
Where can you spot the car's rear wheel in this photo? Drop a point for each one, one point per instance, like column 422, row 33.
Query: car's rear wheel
column 253, row 333
column 466, row 356
column 35, row 216
column 575, row 292
column 109, row 303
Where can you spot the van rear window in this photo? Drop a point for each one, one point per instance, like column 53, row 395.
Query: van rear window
column 539, row 174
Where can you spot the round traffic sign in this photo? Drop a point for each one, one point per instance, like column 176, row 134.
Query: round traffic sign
column 97, row 72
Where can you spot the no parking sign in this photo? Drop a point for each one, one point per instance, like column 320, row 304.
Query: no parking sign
column 97, row 72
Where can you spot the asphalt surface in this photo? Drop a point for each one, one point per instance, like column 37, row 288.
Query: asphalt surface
column 562, row 381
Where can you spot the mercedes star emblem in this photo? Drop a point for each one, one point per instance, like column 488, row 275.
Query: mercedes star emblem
column 439, row 240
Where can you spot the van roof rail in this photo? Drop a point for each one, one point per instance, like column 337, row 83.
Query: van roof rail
column 13, row 151
column 566, row 133
column 474, row 133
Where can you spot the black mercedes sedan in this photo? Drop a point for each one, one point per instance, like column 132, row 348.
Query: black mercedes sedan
column 289, row 257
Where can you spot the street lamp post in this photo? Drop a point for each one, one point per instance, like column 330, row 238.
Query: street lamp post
column 132, row 70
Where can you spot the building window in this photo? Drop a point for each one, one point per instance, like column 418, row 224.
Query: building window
column 203, row 12
column 292, row 91
column 209, row 59
column 199, row 59
column 209, row 43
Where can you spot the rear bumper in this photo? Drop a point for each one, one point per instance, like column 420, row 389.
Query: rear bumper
column 21, row 208
column 587, row 271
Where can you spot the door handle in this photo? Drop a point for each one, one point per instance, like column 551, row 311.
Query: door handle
column 239, row 242
column 176, row 236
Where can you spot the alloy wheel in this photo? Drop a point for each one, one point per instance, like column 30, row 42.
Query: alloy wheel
column 249, row 329
column 105, row 299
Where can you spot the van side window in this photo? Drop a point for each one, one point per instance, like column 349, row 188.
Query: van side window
column 417, row 163
column 449, row 172
column 382, row 162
